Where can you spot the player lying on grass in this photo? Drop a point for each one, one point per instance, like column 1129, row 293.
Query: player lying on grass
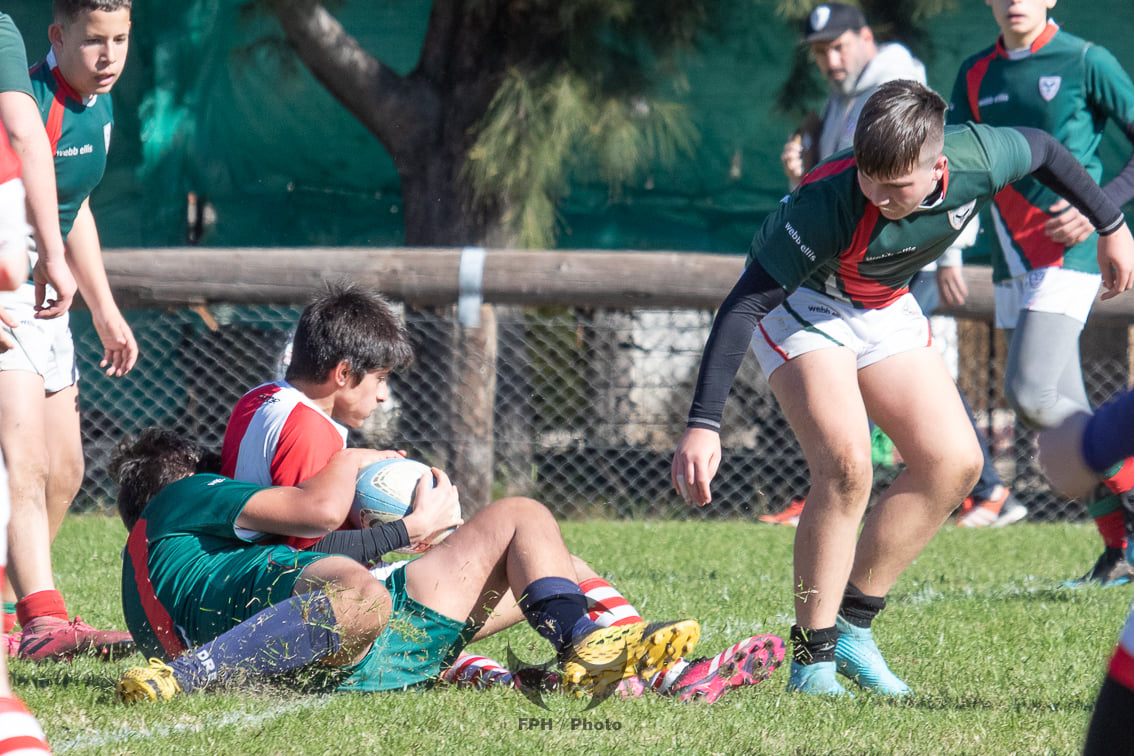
column 825, row 303
column 346, row 343
column 205, row 589
column 1075, row 455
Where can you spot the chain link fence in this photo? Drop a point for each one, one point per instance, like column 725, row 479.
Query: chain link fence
column 588, row 404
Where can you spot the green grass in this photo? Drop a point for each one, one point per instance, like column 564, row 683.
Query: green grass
column 1002, row 660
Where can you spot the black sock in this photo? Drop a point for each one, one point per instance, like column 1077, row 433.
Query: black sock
column 813, row 646
column 860, row 609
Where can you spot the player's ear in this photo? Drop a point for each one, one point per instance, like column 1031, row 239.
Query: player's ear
column 55, row 35
column 341, row 374
column 939, row 167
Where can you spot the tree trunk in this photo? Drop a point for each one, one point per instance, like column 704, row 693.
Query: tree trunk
column 474, row 400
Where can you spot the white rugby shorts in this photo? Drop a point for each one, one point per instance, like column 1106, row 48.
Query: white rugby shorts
column 808, row 321
column 1051, row 289
column 43, row 347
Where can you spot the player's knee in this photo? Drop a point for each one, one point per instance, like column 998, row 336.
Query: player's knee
column 520, row 509
column 27, row 476
column 1034, row 405
column 848, row 472
column 362, row 609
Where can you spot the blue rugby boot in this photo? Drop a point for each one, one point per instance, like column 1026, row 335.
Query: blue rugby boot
column 857, row 657
column 816, row 679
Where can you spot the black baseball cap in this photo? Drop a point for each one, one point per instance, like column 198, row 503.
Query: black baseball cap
column 830, row 20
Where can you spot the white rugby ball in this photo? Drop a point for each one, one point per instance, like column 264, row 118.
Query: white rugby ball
column 383, row 492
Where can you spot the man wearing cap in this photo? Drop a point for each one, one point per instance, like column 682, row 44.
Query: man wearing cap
column 854, row 65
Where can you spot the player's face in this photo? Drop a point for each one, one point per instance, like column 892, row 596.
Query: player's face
column 353, row 404
column 842, row 59
column 1021, row 21
column 91, row 50
column 899, row 196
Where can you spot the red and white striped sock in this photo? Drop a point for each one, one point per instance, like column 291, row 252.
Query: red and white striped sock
column 20, row 734
column 606, row 606
column 472, row 671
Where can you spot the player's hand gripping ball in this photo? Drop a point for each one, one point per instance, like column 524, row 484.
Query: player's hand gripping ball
column 383, row 492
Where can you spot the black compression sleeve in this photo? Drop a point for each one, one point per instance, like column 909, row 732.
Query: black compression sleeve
column 366, row 545
column 753, row 297
column 1120, row 189
column 1058, row 170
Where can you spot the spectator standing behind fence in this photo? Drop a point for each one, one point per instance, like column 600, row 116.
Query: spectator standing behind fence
column 38, row 390
column 845, row 51
column 824, row 304
column 19, row 731
column 1043, row 253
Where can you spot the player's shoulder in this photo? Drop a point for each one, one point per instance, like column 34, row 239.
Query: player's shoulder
column 969, row 145
column 983, row 54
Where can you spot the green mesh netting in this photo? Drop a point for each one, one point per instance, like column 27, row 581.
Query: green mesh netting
column 208, row 105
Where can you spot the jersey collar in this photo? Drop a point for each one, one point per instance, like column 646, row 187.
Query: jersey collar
column 1024, row 52
column 64, row 87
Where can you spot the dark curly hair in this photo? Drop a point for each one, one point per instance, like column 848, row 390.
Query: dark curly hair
column 144, row 464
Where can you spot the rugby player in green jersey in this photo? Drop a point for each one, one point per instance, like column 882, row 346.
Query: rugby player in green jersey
column 1043, row 251
column 39, row 415
column 825, row 303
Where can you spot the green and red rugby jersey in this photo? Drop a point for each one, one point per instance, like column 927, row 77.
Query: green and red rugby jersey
column 1067, row 87
column 828, row 236
column 189, row 574
column 79, row 131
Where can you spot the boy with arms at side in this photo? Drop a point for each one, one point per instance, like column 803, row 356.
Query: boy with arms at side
column 825, row 303
column 200, row 570
column 345, row 345
column 37, row 393
column 19, row 731
column 1043, row 251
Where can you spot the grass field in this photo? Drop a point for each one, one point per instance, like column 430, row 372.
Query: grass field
column 1001, row 660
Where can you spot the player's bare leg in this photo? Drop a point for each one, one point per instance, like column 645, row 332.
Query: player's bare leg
column 360, row 602
column 65, row 454
column 24, row 443
column 515, row 543
column 27, row 436
column 912, row 397
column 819, row 395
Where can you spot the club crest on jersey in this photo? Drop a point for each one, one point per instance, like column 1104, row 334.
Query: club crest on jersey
column 958, row 217
column 1049, row 87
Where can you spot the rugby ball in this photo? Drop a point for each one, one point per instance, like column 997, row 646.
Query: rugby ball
column 383, row 492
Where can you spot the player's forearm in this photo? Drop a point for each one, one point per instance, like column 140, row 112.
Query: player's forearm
column 365, row 546
column 84, row 256
column 29, row 140
column 1057, row 169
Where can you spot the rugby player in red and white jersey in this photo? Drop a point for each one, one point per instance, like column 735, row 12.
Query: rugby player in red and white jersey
column 345, row 346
